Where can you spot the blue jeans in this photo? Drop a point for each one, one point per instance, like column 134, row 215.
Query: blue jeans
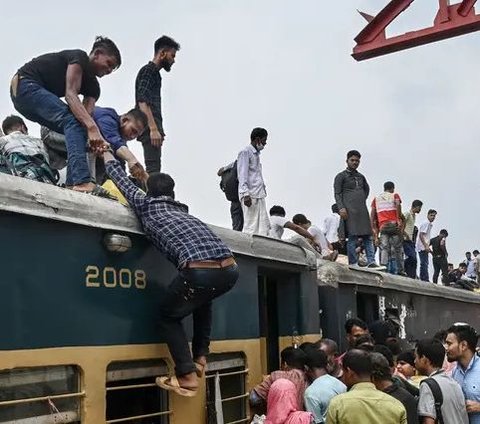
column 369, row 249
column 410, row 258
column 423, row 255
column 40, row 105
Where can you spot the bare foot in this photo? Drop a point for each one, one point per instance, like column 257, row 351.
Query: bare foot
column 84, row 187
column 188, row 381
column 202, row 360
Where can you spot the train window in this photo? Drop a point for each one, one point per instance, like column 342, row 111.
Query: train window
column 226, row 388
column 40, row 395
column 133, row 396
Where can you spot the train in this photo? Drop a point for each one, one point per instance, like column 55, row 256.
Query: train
column 79, row 296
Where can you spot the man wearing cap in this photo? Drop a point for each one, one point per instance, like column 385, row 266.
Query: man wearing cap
column 461, row 343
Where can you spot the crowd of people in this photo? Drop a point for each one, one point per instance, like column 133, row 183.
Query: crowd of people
column 374, row 381
column 351, row 229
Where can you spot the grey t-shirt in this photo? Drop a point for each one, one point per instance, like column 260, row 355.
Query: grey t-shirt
column 453, row 407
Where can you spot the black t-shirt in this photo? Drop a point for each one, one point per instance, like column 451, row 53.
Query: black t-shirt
column 407, row 400
column 437, row 248
column 50, row 71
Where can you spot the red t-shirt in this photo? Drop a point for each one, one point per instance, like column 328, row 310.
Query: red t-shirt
column 386, row 207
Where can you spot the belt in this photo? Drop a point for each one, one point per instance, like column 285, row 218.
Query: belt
column 211, row 264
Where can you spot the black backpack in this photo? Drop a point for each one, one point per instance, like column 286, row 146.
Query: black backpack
column 229, row 183
column 437, row 397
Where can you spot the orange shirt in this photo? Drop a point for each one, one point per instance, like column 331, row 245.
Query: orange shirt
column 386, row 208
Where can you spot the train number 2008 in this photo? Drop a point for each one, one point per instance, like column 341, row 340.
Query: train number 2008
column 110, row 277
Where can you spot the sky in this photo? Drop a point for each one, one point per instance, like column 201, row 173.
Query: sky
column 284, row 66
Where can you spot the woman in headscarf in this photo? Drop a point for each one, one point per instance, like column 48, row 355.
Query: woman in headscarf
column 282, row 405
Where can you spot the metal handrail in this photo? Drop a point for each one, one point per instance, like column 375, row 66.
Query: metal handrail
column 40, row 399
column 236, row 397
column 229, row 373
column 135, row 386
column 138, row 417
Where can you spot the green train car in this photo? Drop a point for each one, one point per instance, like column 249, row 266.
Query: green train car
column 79, row 295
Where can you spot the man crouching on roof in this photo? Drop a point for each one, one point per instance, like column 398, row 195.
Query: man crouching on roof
column 206, row 270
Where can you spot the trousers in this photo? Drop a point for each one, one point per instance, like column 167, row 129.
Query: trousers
column 237, row 216
column 440, row 263
column 410, row 264
column 423, row 256
column 391, row 248
column 351, row 249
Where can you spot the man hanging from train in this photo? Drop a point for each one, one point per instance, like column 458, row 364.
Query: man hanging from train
column 206, row 270
column 36, row 90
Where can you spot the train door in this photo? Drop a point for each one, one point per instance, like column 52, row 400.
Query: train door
column 367, row 307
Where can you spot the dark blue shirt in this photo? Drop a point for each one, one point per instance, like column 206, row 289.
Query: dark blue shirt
column 108, row 122
column 167, row 223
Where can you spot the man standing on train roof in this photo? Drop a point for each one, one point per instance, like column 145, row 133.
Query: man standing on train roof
column 423, row 243
column 206, row 270
column 148, row 86
column 36, row 90
column 351, row 190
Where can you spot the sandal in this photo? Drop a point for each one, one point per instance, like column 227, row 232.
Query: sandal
column 171, row 383
column 199, row 369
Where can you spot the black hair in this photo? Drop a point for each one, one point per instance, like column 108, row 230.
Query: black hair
column 444, row 232
column 476, row 251
column 316, row 359
column 331, row 345
column 358, row 361
column 465, row 332
column 160, row 184
column 108, row 47
column 306, row 346
column 462, row 265
column 335, row 208
column 353, row 153
column 386, row 352
column 388, row 186
column 450, row 264
column 365, row 339
column 417, row 203
column 355, row 322
column 441, row 334
column 294, row 358
column 433, row 350
column 10, row 122
column 258, row 133
column 432, row 211
column 138, row 115
column 165, row 42
column 380, row 367
column 277, row 211
column 407, row 356
column 300, row 219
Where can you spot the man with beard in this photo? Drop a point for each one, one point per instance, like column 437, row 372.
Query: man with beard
column 148, row 97
column 461, row 343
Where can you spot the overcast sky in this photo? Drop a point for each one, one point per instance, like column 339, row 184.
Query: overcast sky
column 285, row 66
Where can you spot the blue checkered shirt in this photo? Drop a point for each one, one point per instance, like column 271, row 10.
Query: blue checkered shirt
column 167, row 223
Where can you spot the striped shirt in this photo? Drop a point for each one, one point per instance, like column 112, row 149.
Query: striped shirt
column 167, row 223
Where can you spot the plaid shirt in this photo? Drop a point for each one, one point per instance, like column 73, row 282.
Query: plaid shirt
column 147, row 90
column 167, row 223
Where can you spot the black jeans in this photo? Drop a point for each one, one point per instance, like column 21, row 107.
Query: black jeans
column 192, row 291
column 410, row 258
column 440, row 263
column 237, row 216
column 151, row 154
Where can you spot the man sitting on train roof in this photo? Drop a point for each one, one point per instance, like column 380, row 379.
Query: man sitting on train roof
column 206, row 270
column 22, row 154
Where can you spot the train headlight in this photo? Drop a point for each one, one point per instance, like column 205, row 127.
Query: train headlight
column 117, row 243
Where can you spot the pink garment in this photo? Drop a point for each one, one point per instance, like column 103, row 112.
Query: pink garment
column 282, row 404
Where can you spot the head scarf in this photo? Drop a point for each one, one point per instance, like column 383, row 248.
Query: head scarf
column 282, row 405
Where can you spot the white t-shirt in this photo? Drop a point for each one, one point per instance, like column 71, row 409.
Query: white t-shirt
column 331, row 225
column 319, row 237
column 277, row 223
column 426, row 227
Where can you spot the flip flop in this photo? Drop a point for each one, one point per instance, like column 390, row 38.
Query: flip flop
column 172, row 384
column 200, row 369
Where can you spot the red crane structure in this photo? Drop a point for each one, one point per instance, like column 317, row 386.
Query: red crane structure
column 450, row 21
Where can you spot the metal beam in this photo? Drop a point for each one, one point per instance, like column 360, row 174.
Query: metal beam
column 450, row 21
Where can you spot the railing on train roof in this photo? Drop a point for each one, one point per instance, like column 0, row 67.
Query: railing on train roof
column 23, row 196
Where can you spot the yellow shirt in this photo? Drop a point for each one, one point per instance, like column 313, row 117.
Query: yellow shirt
column 364, row 404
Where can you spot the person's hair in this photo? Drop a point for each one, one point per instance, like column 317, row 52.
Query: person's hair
column 386, row 352
column 476, row 251
column 380, row 367
column 300, row 219
column 316, row 359
column 108, row 47
column 365, row 339
column 441, row 334
column 432, row 211
column 444, row 232
column 258, row 133
column 433, row 350
column 358, row 361
column 465, row 332
column 165, row 42
column 417, row 203
column 355, row 322
column 389, row 186
column 306, row 346
column 353, row 153
column 331, row 345
column 335, row 208
column 277, row 211
column 138, row 115
column 160, row 184
column 462, row 265
column 450, row 264
column 407, row 356
column 10, row 122
column 467, row 253
column 294, row 358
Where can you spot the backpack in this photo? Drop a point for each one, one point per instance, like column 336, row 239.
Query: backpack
column 437, row 397
column 229, row 183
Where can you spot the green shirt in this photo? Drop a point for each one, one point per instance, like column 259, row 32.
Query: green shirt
column 364, row 404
